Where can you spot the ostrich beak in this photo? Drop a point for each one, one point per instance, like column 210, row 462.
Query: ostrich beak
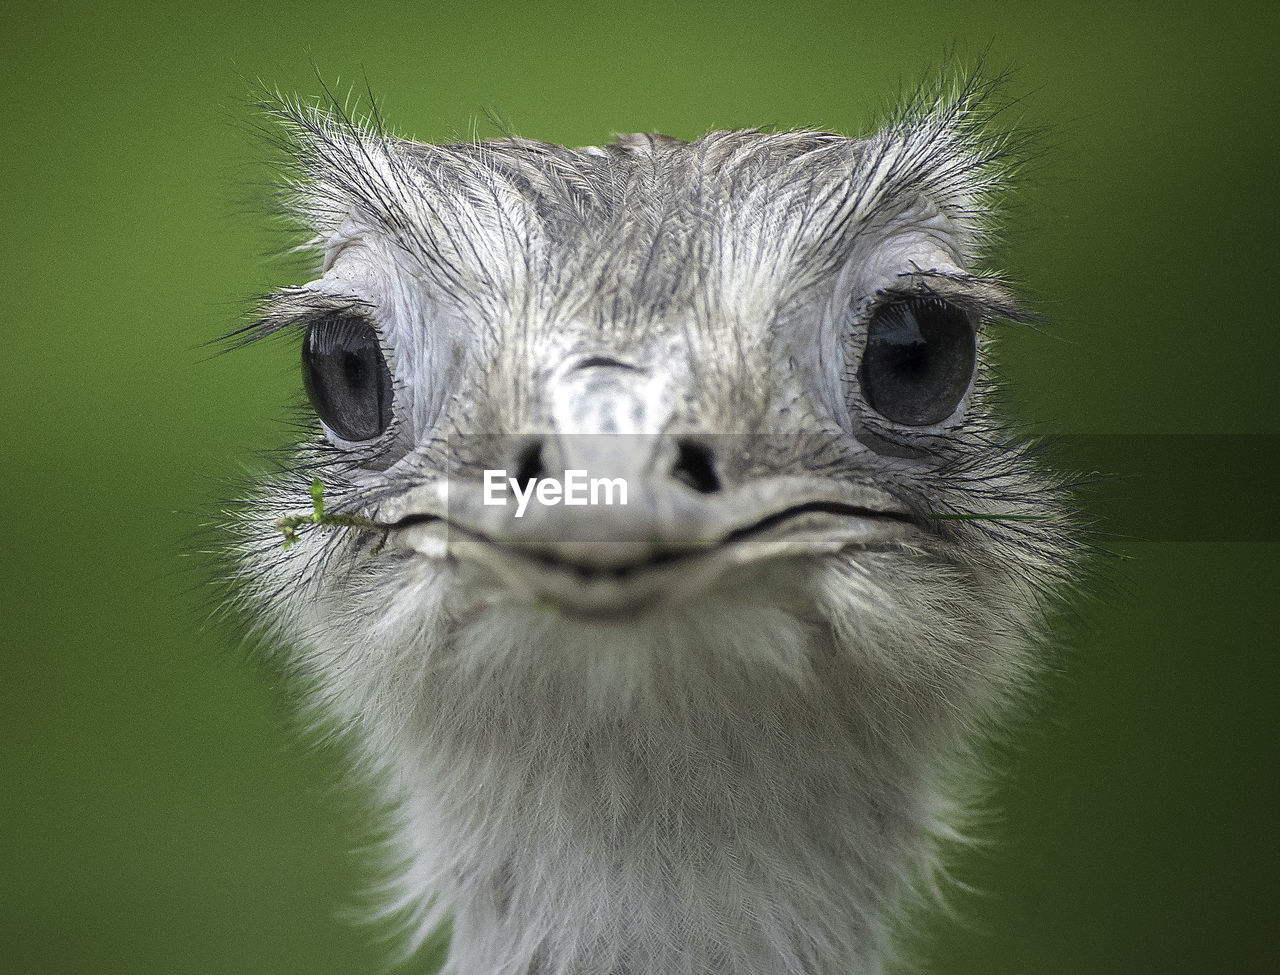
column 618, row 528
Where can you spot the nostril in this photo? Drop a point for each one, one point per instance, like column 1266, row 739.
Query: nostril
column 695, row 467
column 529, row 464
column 604, row 361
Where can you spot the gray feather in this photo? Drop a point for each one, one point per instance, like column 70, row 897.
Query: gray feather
column 750, row 774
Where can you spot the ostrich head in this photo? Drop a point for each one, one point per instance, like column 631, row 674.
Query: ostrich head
column 719, row 723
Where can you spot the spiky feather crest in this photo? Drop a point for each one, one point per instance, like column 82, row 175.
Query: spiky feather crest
column 468, row 208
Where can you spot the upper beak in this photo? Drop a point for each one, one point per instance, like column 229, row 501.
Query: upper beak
column 653, row 538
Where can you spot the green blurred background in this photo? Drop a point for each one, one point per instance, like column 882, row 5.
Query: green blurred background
column 157, row 812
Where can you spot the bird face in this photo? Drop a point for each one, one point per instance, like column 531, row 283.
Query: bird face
column 673, row 551
column 586, row 398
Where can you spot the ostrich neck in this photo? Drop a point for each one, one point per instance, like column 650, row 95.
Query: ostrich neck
column 764, row 828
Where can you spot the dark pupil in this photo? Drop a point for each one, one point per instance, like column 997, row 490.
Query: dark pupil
column 347, row 378
column 354, row 368
column 918, row 362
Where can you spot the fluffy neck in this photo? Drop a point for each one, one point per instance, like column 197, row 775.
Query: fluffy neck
column 716, row 818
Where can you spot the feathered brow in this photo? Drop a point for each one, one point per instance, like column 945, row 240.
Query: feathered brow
column 474, row 215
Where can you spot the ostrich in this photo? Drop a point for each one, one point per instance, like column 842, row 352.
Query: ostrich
column 722, row 720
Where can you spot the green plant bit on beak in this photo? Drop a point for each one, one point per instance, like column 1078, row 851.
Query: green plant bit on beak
column 289, row 525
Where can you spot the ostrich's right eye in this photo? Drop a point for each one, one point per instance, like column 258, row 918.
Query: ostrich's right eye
column 347, row 377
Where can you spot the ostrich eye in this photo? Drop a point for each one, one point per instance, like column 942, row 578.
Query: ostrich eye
column 347, row 377
column 919, row 360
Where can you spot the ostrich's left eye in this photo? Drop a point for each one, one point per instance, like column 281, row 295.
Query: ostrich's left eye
column 347, row 377
column 919, row 360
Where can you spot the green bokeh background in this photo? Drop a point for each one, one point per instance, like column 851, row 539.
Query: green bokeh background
column 157, row 812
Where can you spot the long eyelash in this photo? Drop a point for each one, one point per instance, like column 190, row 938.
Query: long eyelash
column 296, row 308
column 984, row 297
